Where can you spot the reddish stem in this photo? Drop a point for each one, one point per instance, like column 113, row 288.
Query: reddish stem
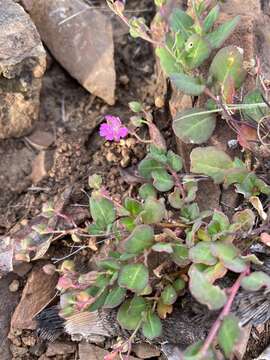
column 225, row 311
column 178, row 183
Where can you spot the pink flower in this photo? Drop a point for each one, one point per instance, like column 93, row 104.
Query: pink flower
column 113, row 129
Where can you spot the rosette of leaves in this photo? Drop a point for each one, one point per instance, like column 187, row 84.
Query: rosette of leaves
column 226, row 74
column 190, row 41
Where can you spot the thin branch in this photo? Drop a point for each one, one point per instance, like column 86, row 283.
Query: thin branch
column 226, row 310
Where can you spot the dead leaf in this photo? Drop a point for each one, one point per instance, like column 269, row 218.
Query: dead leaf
column 246, row 135
column 163, row 310
column 256, row 203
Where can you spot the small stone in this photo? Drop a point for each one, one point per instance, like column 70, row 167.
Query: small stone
column 38, row 349
column 131, row 142
column 41, row 165
column 159, row 102
column 22, row 65
column 92, row 352
column 124, row 79
column 145, row 351
column 18, row 351
column 40, row 140
column 111, row 157
column 22, row 269
column 60, row 348
column 29, row 340
column 8, row 303
column 14, row 286
column 43, row 357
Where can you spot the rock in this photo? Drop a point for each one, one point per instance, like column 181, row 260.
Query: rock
column 38, row 291
column 22, row 269
column 60, row 348
column 81, row 39
column 38, row 349
column 22, row 65
column 29, row 340
column 40, row 140
column 6, row 309
column 145, row 351
column 17, row 351
column 42, row 163
column 14, row 286
column 92, row 352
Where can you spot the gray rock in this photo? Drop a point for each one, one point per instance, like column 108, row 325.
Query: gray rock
column 92, row 352
column 6, row 309
column 81, row 39
column 22, row 65
column 60, row 348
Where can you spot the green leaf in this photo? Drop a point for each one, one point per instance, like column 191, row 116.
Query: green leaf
column 181, row 22
column 201, row 254
column 133, row 277
column 211, row 18
column 99, row 302
column 251, row 185
column 115, row 297
column 228, row 254
column 168, row 295
column 221, row 34
column 129, row 223
column 147, row 190
column 192, row 352
column 228, row 64
column 255, row 281
column 245, row 218
column 109, row 264
column 229, row 334
column 175, row 199
column 167, row 61
column 153, row 212
column 152, row 327
column 210, row 161
column 187, row 84
column 203, row 291
column 162, row 180
column 135, row 106
column 147, row 166
column 133, row 206
column 102, row 211
column 163, row 247
column 180, row 255
column 141, row 238
column 179, row 285
column 158, row 154
column 174, row 161
column 190, row 212
column 258, row 112
column 197, row 51
column 130, row 313
column 94, row 229
column 192, row 127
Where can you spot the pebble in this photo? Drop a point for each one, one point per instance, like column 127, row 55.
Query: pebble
column 29, row 340
column 14, row 286
column 18, row 351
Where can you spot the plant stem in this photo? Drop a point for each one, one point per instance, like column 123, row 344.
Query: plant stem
column 225, row 311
